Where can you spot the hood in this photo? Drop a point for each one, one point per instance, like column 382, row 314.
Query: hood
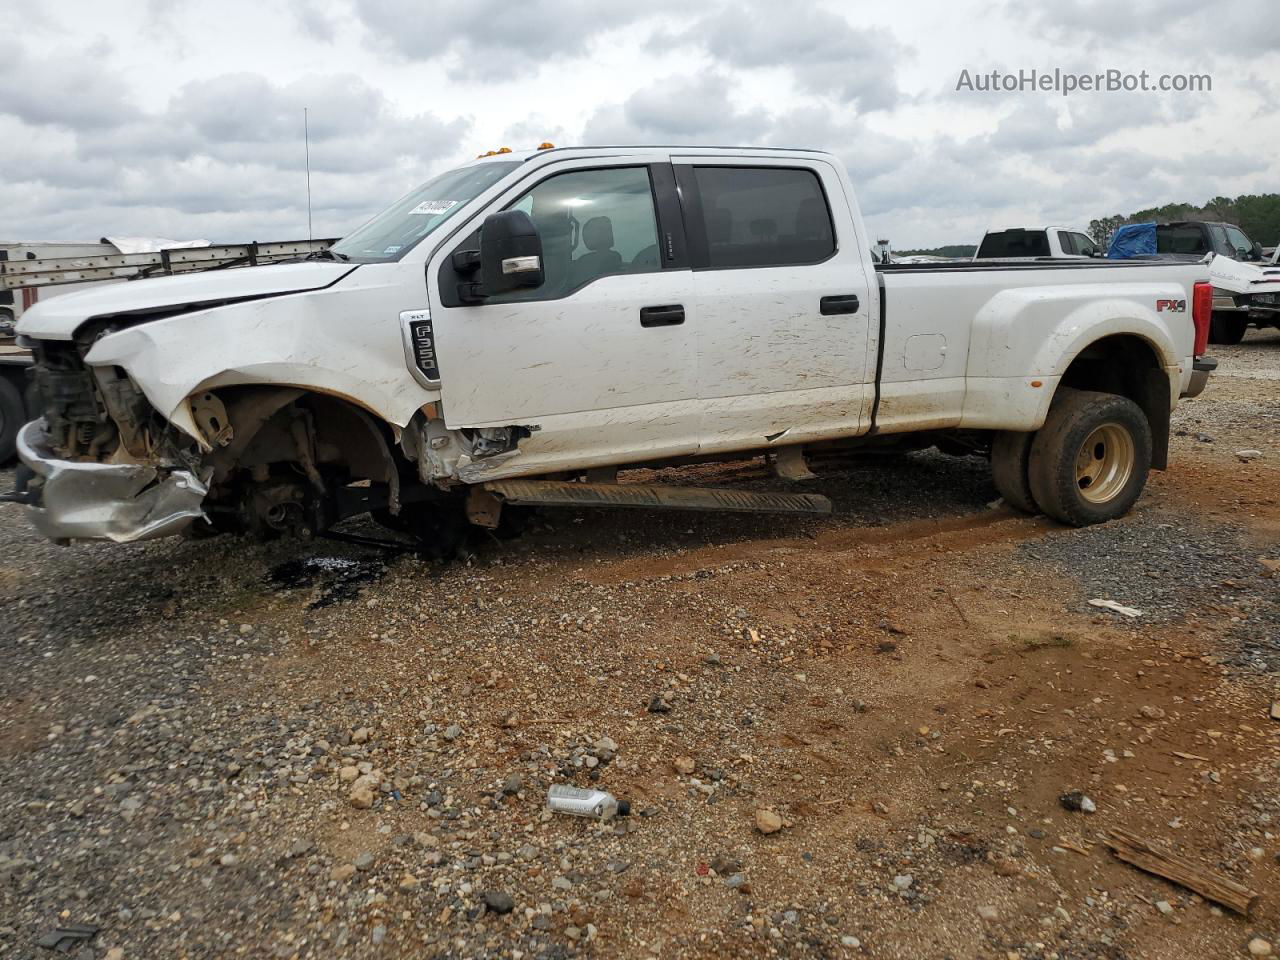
column 58, row 317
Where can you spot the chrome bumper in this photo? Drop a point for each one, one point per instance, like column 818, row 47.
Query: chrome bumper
column 102, row 501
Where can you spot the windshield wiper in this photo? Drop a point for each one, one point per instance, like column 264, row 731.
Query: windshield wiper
column 326, row 255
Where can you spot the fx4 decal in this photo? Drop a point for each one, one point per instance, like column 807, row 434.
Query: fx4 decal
column 1171, row 306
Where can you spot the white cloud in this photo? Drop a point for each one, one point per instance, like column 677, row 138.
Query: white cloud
column 168, row 119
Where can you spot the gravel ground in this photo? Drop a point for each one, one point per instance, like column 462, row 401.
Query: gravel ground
column 840, row 737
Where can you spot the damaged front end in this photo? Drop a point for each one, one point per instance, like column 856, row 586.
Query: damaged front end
column 122, row 502
column 102, row 465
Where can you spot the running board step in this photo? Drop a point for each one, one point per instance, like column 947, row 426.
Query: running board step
column 562, row 494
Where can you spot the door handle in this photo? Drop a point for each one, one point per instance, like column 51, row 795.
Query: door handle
column 841, row 303
column 668, row 315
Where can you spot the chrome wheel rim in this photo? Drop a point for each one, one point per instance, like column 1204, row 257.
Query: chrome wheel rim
column 1104, row 463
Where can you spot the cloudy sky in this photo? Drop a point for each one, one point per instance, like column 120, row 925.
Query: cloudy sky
column 185, row 119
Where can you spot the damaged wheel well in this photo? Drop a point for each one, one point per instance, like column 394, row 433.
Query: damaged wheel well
column 252, row 428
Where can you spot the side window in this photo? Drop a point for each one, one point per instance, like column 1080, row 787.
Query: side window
column 593, row 223
column 1084, row 246
column 1238, row 241
column 764, row 216
column 1067, row 242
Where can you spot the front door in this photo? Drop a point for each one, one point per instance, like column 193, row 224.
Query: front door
column 783, row 298
column 599, row 362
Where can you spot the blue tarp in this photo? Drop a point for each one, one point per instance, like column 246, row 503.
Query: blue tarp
column 1133, row 240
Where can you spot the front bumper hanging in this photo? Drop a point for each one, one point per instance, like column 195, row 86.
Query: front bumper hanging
column 122, row 502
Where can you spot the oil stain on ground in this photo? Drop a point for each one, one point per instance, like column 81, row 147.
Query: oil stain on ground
column 336, row 579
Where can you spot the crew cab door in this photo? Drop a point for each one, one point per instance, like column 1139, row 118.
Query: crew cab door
column 783, row 297
column 598, row 363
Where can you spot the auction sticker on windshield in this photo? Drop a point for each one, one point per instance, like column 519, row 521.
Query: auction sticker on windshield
column 430, row 207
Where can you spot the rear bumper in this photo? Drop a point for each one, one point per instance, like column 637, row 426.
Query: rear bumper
column 1226, row 303
column 101, row 501
column 1200, row 370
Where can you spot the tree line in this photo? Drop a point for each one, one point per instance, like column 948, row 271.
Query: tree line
column 1258, row 215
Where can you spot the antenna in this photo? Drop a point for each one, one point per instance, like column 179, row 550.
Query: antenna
column 306, row 143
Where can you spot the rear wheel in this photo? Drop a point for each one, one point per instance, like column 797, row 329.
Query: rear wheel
column 1010, row 453
column 13, row 415
column 1227, row 328
column 1089, row 461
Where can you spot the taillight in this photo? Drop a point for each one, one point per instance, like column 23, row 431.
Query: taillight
column 1201, row 314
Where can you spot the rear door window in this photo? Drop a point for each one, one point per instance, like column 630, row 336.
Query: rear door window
column 764, row 216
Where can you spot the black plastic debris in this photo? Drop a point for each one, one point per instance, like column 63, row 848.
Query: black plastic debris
column 65, row 939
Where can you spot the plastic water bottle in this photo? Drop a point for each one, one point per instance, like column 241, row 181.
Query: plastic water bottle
column 580, row 802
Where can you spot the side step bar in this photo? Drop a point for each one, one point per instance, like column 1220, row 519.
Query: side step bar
column 562, row 494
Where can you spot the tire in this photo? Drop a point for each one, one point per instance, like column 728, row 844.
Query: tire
column 1010, row 453
column 13, row 415
column 1089, row 462
column 1227, row 329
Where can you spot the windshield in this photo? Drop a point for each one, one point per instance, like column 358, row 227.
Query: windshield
column 396, row 230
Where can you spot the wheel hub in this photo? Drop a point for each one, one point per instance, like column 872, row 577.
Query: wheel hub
column 1104, row 463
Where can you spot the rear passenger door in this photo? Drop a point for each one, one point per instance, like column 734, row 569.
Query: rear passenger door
column 783, row 299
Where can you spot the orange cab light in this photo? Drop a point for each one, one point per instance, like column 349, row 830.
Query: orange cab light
column 546, row 145
column 503, row 150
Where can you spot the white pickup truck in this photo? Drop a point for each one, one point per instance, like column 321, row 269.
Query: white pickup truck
column 516, row 329
column 1021, row 243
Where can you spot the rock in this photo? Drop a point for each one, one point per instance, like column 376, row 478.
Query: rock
column 1152, row 713
column 342, row 873
column 562, row 883
column 658, row 705
column 360, row 736
column 512, row 785
column 1077, row 802
column 989, row 913
column 228, row 860
column 363, row 792
column 1164, row 906
column 851, row 941
column 1244, row 456
column 115, row 953
column 605, row 745
column 1259, row 947
column 903, row 881
column 724, row 866
column 409, row 883
column 379, row 934
column 300, row 848
column 363, row 861
column 734, row 881
column 499, row 902
column 684, row 765
column 452, row 732
column 767, row 821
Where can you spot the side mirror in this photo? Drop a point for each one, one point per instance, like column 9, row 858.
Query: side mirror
column 1257, row 251
column 510, row 253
